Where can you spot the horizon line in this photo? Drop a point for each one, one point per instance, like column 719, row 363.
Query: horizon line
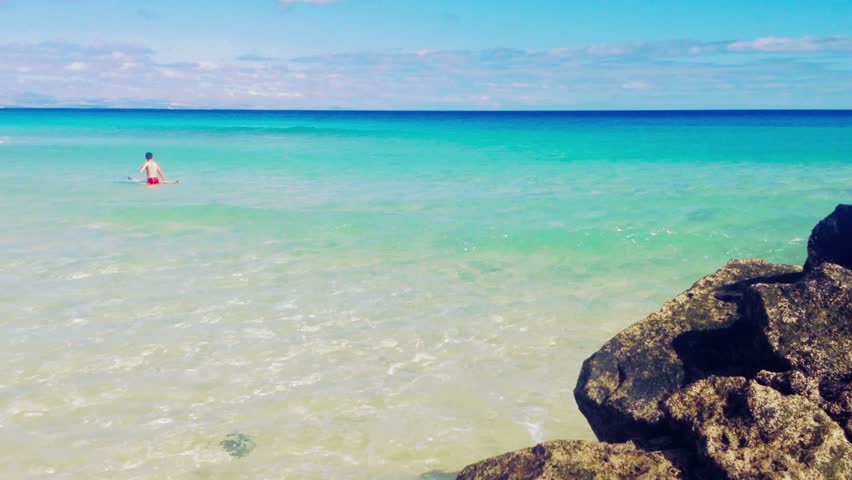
column 357, row 110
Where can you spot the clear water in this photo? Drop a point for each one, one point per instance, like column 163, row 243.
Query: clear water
column 363, row 295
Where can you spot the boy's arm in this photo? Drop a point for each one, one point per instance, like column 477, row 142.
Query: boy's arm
column 160, row 172
column 142, row 167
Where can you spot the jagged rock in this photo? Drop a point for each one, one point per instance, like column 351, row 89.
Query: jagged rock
column 749, row 431
column 833, row 397
column 808, row 325
column 746, row 375
column 691, row 337
column 831, row 239
column 579, row 460
column 792, row 382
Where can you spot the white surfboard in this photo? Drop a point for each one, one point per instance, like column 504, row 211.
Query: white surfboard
column 136, row 180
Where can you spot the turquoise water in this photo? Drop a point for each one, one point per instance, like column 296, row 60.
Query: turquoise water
column 364, row 295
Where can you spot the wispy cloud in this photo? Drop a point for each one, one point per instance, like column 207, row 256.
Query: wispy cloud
column 75, row 66
column 763, row 72
column 635, row 85
column 251, row 57
column 803, row 44
column 692, row 48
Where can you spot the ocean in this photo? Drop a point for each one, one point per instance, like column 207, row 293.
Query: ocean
column 360, row 295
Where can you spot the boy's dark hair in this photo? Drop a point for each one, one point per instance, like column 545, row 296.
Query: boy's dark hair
column 149, row 156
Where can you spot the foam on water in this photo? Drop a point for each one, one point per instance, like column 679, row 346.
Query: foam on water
column 359, row 295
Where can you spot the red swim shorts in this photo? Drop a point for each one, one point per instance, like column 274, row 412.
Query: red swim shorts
column 153, row 180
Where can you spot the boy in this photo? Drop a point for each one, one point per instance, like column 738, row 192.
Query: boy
column 153, row 169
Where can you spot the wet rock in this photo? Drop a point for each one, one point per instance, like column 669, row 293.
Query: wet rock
column 579, row 460
column 749, row 431
column 691, row 337
column 831, row 239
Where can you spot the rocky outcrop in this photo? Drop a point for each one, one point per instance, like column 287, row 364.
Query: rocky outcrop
column 833, row 397
column 831, row 239
column 579, row 460
column 746, row 430
column 692, row 336
column 746, row 375
column 807, row 324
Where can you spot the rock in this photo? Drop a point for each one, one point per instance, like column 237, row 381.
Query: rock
column 692, row 336
column 749, row 431
column 831, row 239
column 833, row 397
column 808, row 324
column 579, row 460
column 746, row 375
column 792, row 382
column 238, row 445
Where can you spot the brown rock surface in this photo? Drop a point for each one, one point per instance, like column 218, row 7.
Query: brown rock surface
column 692, row 336
column 578, row 460
column 833, row 397
column 749, row 431
column 808, row 323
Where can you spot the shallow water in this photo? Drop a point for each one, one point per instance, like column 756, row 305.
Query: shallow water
column 363, row 295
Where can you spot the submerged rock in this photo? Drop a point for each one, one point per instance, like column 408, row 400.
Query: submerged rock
column 746, row 431
column 692, row 336
column 579, row 460
column 238, row 445
column 831, row 239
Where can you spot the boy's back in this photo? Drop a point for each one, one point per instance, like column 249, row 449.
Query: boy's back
column 152, row 168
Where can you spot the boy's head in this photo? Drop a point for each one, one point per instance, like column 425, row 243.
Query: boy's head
column 149, row 156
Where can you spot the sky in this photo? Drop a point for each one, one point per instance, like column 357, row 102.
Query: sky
column 426, row 54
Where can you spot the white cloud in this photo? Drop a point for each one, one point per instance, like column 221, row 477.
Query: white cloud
column 801, row 44
column 775, row 44
column 272, row 93
column 209, row 66
column 597, row 76
column 75, row 66
column 170, row 73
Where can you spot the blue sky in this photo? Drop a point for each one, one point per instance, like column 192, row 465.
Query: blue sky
column 426, row 54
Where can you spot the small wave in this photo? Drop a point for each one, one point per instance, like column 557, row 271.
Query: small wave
column 309, row 380
column 533, row 422
column 536, row 431
column 4, row 140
